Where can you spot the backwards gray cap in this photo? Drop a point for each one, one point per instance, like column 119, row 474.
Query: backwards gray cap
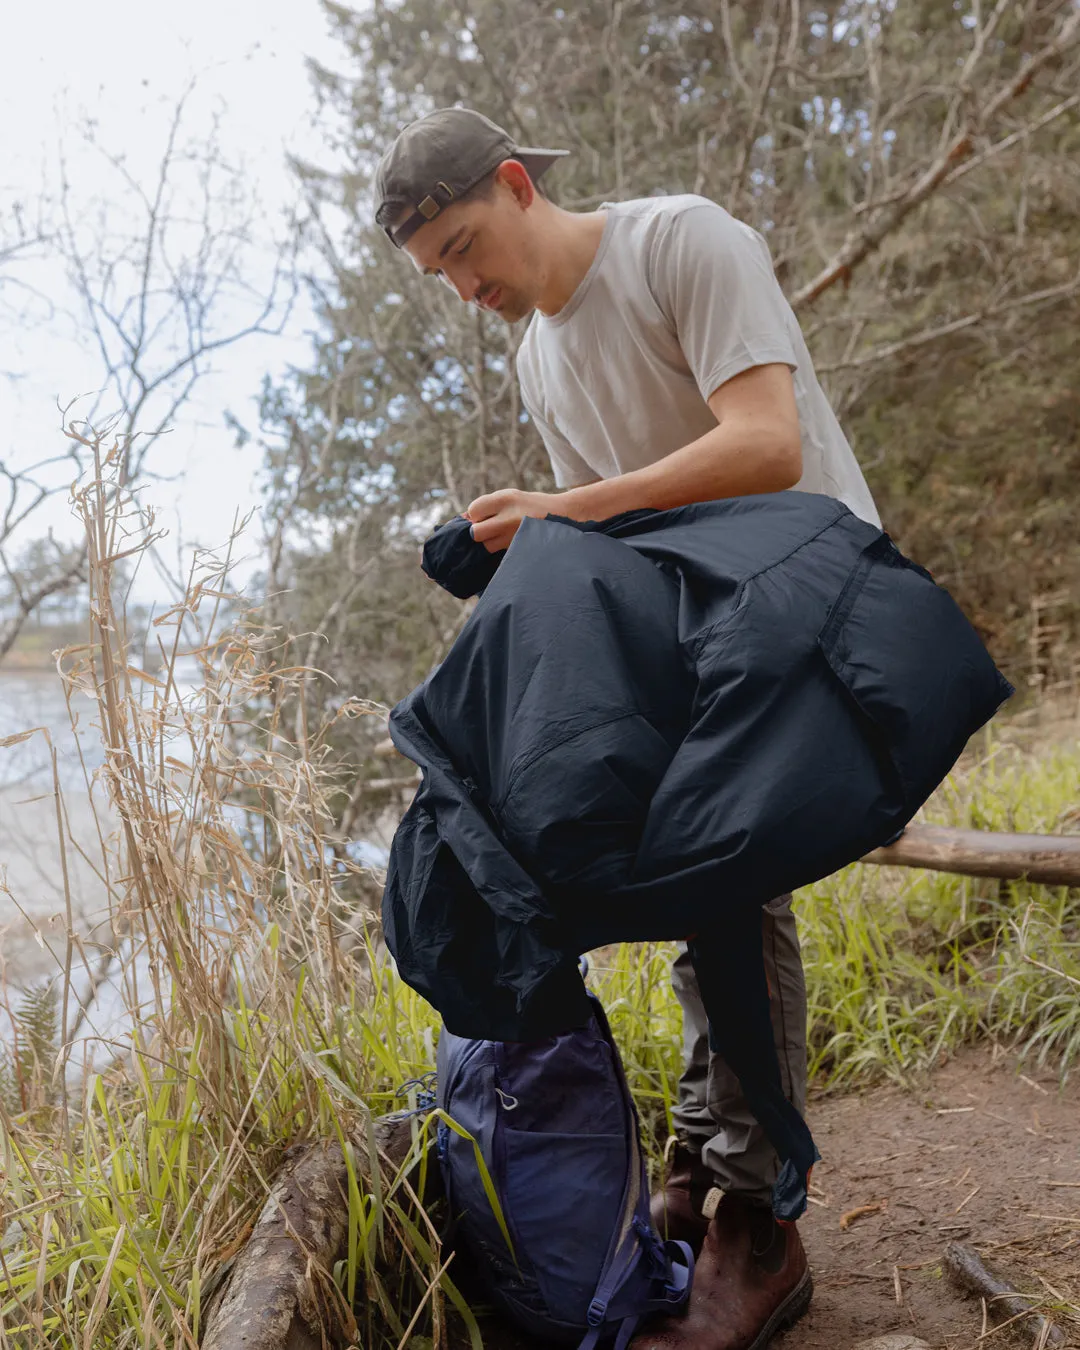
column 437, row 159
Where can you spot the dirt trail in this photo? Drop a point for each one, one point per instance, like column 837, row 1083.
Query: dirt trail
column 969, row 1156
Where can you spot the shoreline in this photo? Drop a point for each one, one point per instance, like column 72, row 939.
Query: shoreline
column 13, row 665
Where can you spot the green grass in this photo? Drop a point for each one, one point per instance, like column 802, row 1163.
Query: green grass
column 904, row 966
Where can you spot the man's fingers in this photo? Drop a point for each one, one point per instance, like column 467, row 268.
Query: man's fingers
column 485, row 506
column 495, row 534
column 483, row 530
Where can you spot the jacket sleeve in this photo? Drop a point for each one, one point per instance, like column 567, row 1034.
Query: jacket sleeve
column 711, row 276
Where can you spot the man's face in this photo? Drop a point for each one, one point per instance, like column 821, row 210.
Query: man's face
column 483, row 249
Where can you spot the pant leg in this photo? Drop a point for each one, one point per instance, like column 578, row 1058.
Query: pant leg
column 693, row 1120
column 711, row 1104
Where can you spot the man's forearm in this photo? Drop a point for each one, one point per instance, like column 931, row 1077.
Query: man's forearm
column 754, row 447
column 731, row 460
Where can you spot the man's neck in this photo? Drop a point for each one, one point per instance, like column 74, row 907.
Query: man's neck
column 572, row 242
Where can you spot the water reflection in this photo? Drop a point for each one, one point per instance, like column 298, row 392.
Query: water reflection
column 36, row 699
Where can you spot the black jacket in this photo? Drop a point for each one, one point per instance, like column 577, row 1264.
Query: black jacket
column 652, row 724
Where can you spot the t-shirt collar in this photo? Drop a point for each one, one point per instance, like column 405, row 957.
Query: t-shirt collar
column 584, row 285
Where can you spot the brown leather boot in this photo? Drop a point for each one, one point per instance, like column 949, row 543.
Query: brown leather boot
column 683, row 1206
column 751, row 1282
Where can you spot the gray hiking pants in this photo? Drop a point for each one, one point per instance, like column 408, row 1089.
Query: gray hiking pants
column 711, row 1110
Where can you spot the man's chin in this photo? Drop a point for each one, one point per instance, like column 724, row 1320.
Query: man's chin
column 513, row 310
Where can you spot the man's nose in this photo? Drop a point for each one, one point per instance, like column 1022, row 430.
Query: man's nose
column 465, row 282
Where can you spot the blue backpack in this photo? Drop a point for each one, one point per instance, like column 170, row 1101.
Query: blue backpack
column 558, row 1131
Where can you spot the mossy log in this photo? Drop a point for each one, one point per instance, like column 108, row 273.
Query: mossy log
column 276, row 1293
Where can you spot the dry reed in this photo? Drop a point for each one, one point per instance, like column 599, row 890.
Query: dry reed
column 129, row 1177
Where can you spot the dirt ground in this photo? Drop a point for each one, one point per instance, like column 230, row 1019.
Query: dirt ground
column 981, row 1154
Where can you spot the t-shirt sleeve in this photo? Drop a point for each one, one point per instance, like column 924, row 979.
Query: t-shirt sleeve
column 569, row 468
column 712, row 277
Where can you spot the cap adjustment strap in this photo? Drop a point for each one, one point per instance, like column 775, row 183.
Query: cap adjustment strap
column 441, row 195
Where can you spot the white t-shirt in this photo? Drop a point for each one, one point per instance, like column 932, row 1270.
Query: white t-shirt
column 680, row 298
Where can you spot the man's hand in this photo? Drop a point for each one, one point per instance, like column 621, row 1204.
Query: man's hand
column 496, row 516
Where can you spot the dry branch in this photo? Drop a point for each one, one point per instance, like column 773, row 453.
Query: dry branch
column 936, row 332
column 863, row 240
column 1048, row 859
column 158, row 303
column 965, row 1268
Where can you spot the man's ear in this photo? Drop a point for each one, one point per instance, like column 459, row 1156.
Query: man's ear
column 514, row 175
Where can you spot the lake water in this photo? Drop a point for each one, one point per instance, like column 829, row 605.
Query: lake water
column 36, row 699
column 33, row 907
column 32, row 893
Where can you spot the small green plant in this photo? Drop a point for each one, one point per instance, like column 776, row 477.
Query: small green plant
column 26, row 1063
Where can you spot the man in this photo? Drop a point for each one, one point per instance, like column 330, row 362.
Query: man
column 662, row 366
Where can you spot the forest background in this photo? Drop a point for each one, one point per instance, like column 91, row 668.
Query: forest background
column 914, row 167
column 915, row 170
column 918, row 183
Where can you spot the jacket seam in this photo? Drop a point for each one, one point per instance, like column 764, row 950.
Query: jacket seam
column 519, row 769
column 714, row 628
column 843, row 511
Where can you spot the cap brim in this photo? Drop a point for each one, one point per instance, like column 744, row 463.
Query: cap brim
column 537, row 161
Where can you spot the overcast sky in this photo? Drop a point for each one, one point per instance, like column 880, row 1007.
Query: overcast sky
column 124, row 64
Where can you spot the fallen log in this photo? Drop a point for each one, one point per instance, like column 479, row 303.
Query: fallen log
column 964, row 1267
column 1049, row 859
column 275, row 1295
column 276, row 1292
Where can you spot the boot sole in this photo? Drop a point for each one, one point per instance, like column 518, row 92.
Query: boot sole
column 788, row 1313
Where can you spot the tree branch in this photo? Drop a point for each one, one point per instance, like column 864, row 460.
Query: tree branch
column 920, row 339
column 862, row 241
